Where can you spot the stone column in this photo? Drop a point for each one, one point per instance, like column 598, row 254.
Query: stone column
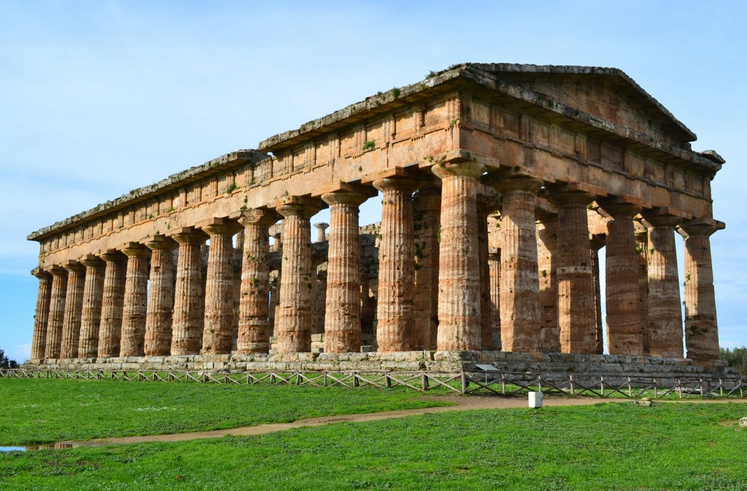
column 701, row 326
column 293, row 316
column 93, row 293
column 43, row 297
column 426, row 222
column 160, row 297
column 494, row 264
column 342, row 317
column 56, row 312
column 76, row 277
column 187, row 320
column 254, row 326
column 134, row 311
column 110, row 331
column 641, row 246
column 624, row 336
column 321, row 234
column 547, row 258
column 576, row 315
column 485, row 206
column 597, row 242
column 520, row 310
column 395, row 309
column 217, row 334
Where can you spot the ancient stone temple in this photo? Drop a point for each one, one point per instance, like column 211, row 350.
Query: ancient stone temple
column 501, row 186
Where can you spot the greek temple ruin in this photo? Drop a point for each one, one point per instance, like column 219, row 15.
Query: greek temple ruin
column 501, row 185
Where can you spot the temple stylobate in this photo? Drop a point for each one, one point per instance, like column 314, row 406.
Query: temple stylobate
column 500, row 186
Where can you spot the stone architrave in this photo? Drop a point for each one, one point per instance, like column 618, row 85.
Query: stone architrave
column 56, row 312
column 395, row 309
column 547, row 258
column 576, row 315
column 426, row 222
column 134, row 311
column 494, row 264
column 217, row 334
column 187, row 319
column 254, row 303
column 701, row 326
column 520, row 309
column 160, row 297
column 76, row 277
column 43, row 298
column 93, row 291
column 342, row 317
column 664, row 307
column 293, row 315
column 624, row 334
column 110, row 330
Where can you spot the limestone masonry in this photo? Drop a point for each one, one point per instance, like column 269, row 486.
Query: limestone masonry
column 500, row 184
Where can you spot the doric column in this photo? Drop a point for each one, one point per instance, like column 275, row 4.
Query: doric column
column 293, row 317
column 426, row 222
column 254, row 326
column 93, row 292
column 160, row 297
column 520, row 310
column 134, row 311
column 395, row 309
column 321, row 234
column 624, row 335
column 596, row 242
column 110, row 331
column 56, row 312
column 641, row 246
column 342, row 317
column 187, row 321
column 217, row 334
column 494, row 264
column 76, row 277
column 547, row 258
column 43, row 297
column 576, row 316
column 701, row 327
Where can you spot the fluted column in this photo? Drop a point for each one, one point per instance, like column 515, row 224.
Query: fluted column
column 395, row 309
column 624, row 335
column 494, row 265
column 342, row 317
column 597, row 242
column 576, row 316
column 76, row 277
column 43, row 298
column 56, row 312
column 217, row 334
column 547, row 258
column 93, row 291
column 520, row 310
column 426, row 223
column 701, row 326
column 187, row 320
column 110, row 331
column 254, row 326
column 293, row 316
column 134, row 311
column 160, row 297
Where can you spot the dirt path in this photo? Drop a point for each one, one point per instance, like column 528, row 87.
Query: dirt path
column 471, row 403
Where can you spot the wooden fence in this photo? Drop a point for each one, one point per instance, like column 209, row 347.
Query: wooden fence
column 465, row 382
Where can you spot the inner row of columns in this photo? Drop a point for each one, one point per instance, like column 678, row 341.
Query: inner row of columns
column 447, row 290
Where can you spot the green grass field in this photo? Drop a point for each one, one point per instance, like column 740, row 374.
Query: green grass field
column 43, row 410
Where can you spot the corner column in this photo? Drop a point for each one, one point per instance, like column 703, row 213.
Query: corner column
column 56, row 312
column 624, row 335
column 160, row 297
column 110, row 330
column 217, row 334
column 43, row 299
column 701, row 326
column 395, row 309
column 187, row 320
column 293, row 316
column 93, row 292
column 520, row 308
column 254, row 304
column 426, row 223
column 76, row 277
column 134, row 311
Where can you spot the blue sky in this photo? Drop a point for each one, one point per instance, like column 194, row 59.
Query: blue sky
column 97, row 98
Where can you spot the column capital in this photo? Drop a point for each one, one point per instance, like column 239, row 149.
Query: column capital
column 467, row 169
column 571, row 197
column 161, row 243
column 622, row 206
column 135, row 249
column 344, row 197
column 661, row 217
column 701, row 226
column 219, row 226
column 73, row 266
column 41, row 274
column 396, row 182
column 518, row 184
column 92, row 261
column 57, row 270
column 113, row 256
column 300, row 206
column 189, row 235
column 321, row 234
column 262, row 217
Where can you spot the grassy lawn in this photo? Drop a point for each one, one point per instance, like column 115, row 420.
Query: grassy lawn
column 609, row 446
column 40, row 410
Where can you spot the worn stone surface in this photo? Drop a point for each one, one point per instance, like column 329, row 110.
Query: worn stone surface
column 188, row 315
column 494, row 264
column 486, row 204
column 160, row 297
column 43, row 298
column 134, row 311
column 112, row 308
column 642, row 247
column 547, row 256
column 426, row 225
column 76, row 277
column 93, row 294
